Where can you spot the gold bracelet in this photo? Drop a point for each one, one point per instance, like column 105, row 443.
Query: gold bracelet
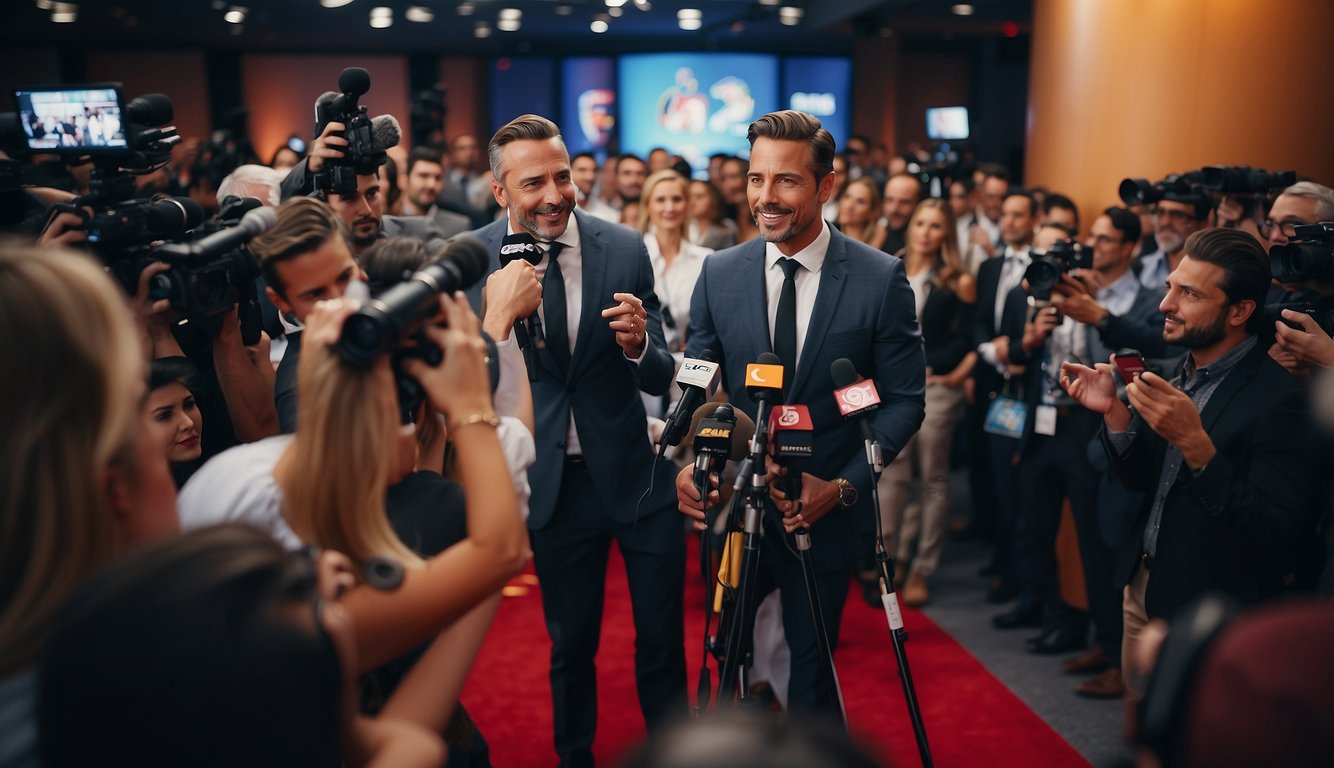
column 477, row 417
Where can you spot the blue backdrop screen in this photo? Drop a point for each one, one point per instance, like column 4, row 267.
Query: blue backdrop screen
column 588, row 104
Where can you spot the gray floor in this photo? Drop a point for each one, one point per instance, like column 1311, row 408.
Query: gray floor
column 1092, row 727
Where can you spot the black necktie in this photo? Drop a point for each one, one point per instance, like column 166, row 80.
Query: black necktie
column 785, row 321
column 553, row 299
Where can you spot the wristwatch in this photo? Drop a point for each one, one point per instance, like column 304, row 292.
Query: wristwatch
column 847, row 492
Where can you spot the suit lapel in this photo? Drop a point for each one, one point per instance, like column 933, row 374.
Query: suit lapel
column 595, row 262
column 1229, row 387
column 751, row 282
column 832, row 275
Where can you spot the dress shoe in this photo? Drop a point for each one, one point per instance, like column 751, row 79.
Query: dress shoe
column 1018, row 617
column 1089, row 662
column 1108, row 685
column 915, row 593
column 1000, row 591
column 1056, row 640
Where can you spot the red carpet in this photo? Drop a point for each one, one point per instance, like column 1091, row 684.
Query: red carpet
column 971, row 718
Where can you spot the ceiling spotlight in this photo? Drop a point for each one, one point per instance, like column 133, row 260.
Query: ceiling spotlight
column 689, row 25
column 382, row 17
column 335, row 3
column 564, row 10
column 466, row 9
column 615, row 3
column 45, row 5
column 64, row 13
column 419, row 14
column 790, row 15
column 598, row 26
column 510, row 13
column 771, row 2
column 689, row 13
column 235, row 16
column 962, row 9
column 508, row 25
column 643, row 5
column 615, row 12
column 482, row 30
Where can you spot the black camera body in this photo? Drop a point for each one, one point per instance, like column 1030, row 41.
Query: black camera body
column 361, row 156
column 1142, row 192
column 1309, row 257
column 1044, row 273
column 1243, row 180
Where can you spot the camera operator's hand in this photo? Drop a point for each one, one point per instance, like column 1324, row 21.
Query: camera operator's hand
column 1172, row 414
column 155, row 316
column 512, row 293
column 1040, row 327
column 63, row 229
column 1310, row 346
column 326, row 146
column 1078, row 305
column 460, row 385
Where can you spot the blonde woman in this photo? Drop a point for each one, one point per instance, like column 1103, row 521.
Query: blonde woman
column 859, row 212
column 945, row 295
column 84, row 480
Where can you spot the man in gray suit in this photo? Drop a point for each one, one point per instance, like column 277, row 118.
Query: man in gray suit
column 425, row 176
column 603, row 346
column 811, row 295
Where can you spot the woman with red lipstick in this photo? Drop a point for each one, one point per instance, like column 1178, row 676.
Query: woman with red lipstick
column 174, row 414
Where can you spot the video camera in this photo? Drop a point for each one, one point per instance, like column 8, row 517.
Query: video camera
column 363, row 153
column 1309, row 257
column 1243, row 180
column 1142, row 192
column 1045, row 271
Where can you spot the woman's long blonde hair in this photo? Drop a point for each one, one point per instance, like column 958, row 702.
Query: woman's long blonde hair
column 338, row 465
column 71, row 399
column 665, row 176
column 947, row 264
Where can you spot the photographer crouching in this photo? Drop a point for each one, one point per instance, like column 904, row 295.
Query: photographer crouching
column 1221, row 450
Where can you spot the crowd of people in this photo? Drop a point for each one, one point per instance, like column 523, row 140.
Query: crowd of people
column 319, row 587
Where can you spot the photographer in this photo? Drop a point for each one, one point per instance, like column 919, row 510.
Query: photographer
column 1301, row 343
column 1221, row 451
column 1179, row 214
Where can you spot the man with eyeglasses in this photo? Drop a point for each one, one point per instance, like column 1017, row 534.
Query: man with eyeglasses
column 1177, row 216
column 1309, row 347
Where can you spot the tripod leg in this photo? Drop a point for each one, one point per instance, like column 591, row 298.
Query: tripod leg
column 897, row 636
column 829, row 671
column 733, row 673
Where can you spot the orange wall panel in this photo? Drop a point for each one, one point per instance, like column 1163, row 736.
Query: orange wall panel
column 1146, row 87
column 182, row 75
column 280, row 92
column 465, row 80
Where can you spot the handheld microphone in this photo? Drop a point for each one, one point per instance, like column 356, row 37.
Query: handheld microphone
column 794, row 438
column 696, row 377
column 252, row 223
column 528, row 332
column 719, row 434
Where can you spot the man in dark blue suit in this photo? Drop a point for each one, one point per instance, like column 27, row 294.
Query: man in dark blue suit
column 603, row 346
column 847, row 301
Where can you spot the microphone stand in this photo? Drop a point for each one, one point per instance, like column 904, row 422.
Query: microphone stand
column 890, row 600
column 822, row 644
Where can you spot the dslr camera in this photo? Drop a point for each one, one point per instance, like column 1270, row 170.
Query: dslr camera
column 1045, row 271
column 1310, row 257
column 1243, row 180
column 362, row 155
column 1142, row 192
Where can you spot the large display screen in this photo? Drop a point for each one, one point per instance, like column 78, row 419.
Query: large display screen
column 821, row 86
column 86, row 118
column 694, row 104
column 947, row 123
column 588, row 104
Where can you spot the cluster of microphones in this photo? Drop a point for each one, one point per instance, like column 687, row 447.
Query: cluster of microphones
column 720, row 433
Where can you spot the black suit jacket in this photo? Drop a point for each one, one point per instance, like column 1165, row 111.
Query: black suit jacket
column 1233, row 527
column 989, row 382
column 600, row 391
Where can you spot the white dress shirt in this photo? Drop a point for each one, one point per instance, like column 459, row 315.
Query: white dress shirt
column 675, row 285
column 811, row 259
